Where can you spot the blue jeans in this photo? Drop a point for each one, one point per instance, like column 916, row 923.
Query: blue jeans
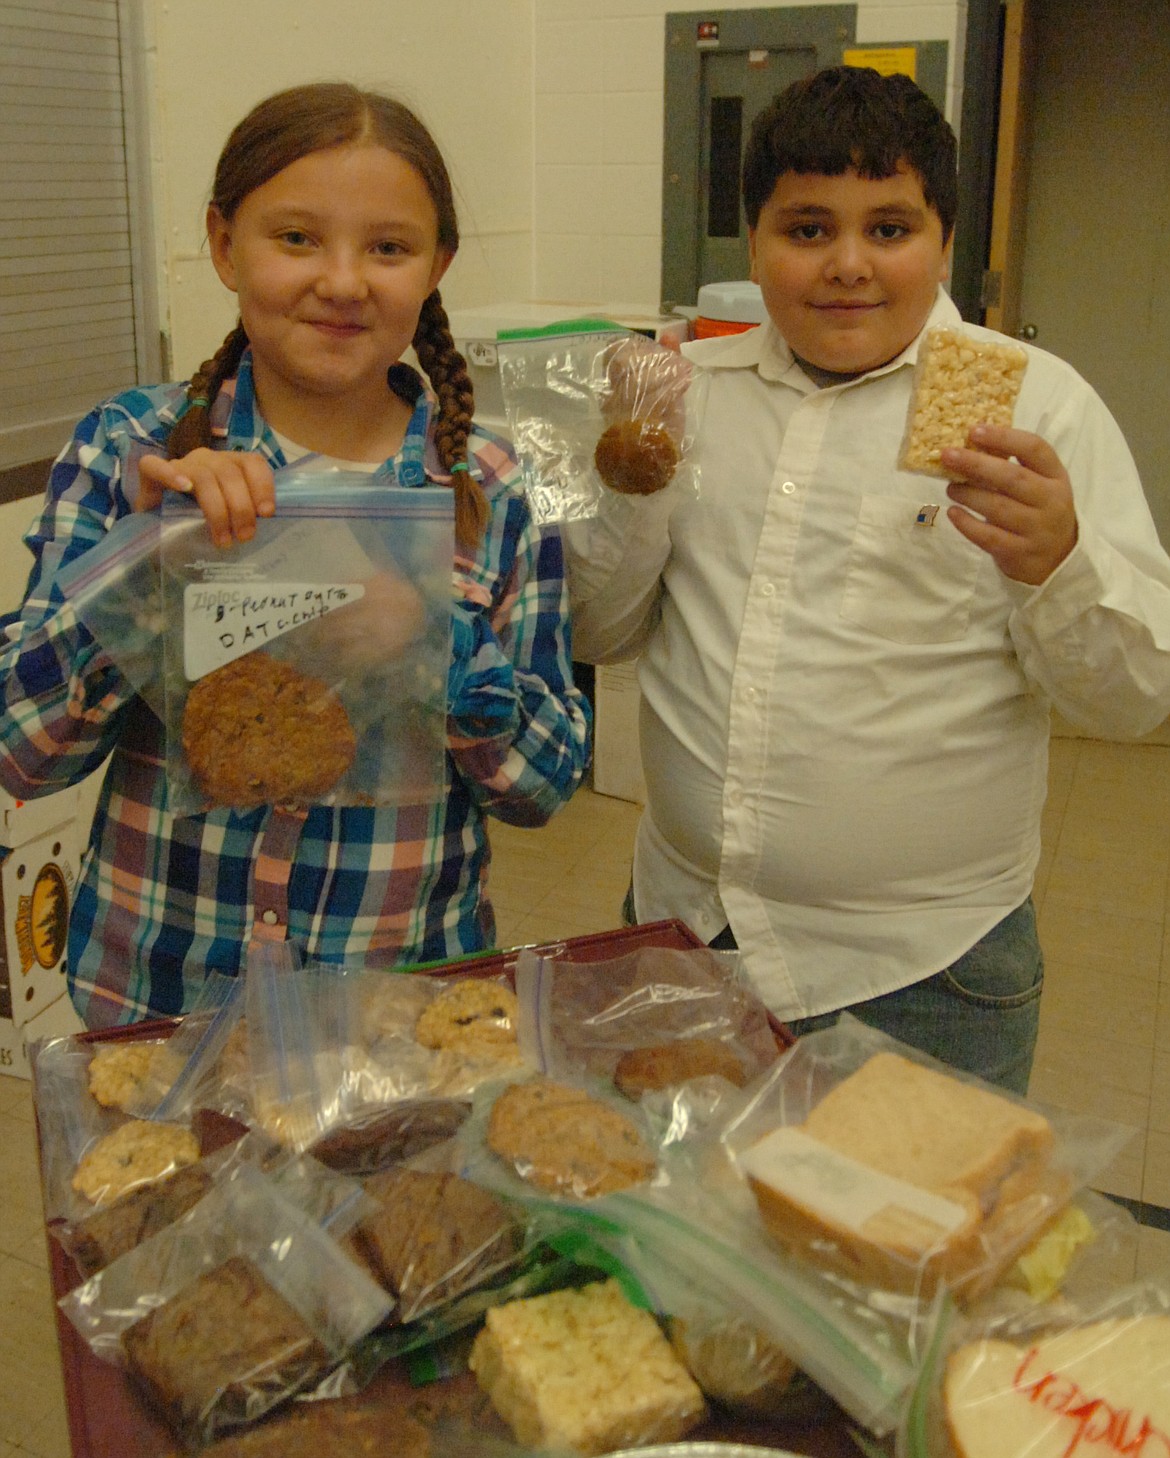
column 981, row 1014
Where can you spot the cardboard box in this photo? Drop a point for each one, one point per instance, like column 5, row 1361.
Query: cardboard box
column 24, row 820
column 37, row 881
column 617, row 759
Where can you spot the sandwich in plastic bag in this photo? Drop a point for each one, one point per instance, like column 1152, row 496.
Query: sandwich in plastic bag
column 870, row 1160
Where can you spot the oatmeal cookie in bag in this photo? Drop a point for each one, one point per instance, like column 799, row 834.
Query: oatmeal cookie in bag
column 258, row 731
column 564, row 1140
column 137, row 1152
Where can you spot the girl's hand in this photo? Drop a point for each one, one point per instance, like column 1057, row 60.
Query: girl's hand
column 232, row 488
column 1014, row 480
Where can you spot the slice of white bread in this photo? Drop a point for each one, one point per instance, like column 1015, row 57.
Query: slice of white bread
column 1101, row 1388
column 903, row 1175
column 584, row 1371
column 959, row 381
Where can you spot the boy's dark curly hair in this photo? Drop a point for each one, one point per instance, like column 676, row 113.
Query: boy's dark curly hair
column 852, row 117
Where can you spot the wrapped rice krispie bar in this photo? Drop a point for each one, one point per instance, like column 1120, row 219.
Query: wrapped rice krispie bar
column 959, row 381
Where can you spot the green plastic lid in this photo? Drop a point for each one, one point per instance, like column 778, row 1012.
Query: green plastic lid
column 564, row 326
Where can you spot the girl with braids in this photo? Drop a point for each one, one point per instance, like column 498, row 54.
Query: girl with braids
column 332, row 221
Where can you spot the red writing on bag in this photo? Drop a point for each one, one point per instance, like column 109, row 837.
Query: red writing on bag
column 1094, row 1422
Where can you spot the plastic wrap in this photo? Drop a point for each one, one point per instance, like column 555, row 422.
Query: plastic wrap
column 877, row 1163
column 591, row 407
column 1053, row 1380
column 651, row 1019
column 309, row 665
column 231, row 1310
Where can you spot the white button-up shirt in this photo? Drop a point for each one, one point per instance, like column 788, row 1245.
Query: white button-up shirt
column 845, row 709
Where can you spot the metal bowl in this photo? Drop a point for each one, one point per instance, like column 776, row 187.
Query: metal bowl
column 704, row 1450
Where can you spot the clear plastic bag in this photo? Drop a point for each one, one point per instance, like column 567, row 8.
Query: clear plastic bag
column 651, row 1019
column 591, row 407
column 230, row 1311
column 94, row 1153
column 876, row 1163
column 1055, row 1378
column 116, row 591
column 309, row 665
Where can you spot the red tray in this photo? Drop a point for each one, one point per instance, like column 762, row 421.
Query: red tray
column 107, row 1419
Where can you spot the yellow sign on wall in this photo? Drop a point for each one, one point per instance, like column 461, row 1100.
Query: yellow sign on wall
column 888, row 60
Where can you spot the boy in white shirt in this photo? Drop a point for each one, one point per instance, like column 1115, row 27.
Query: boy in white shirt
column 847, row 669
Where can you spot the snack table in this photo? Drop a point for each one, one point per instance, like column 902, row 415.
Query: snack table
column 107, row 1419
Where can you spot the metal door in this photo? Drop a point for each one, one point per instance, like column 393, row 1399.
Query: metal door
column 734, row 88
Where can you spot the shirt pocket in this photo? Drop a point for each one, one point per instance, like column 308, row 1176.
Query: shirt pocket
column 906, row 581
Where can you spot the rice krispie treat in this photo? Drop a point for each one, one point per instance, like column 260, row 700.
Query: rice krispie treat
column 959, row 381
column 584, row 1371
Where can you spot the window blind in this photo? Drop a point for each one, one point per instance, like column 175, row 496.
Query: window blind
column 67, row 300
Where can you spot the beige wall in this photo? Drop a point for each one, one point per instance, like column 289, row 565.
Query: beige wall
column 548, row 111
column 464, row 65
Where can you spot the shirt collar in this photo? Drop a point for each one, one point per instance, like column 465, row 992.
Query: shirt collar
column 236, row 421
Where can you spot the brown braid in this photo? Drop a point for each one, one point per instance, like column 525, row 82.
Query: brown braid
column 447, row 371
column 193, row 428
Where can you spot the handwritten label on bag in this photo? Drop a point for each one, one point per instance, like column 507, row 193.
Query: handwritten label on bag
column 223, row 620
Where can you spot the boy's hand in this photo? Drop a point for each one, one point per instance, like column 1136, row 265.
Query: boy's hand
column 646, row 381
column 232, row 488
column 1016, row 483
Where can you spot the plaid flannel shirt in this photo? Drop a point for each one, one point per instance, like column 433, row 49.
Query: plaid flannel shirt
column 163, row 900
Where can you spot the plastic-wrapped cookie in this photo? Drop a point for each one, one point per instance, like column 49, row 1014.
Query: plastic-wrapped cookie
column 122, row 1075
column 666, row 1065
column 636, row 457
column 564, row 1140
column 476, row 1017
column 135, row 1153
column 259, row 732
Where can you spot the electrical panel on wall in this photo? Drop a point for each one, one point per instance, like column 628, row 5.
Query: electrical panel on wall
column 721, row 69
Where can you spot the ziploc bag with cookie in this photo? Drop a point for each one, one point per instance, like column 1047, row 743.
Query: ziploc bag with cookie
column 873, row 1162
column 309, row 665
column 650, row 1020
column 98, row 1238
column 92, row 1151
column 539, row 1137
column 241, row 1304
column 1060, row 1379
column 593, row 407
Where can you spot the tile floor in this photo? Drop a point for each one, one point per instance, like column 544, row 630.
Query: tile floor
column 1102, row 890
